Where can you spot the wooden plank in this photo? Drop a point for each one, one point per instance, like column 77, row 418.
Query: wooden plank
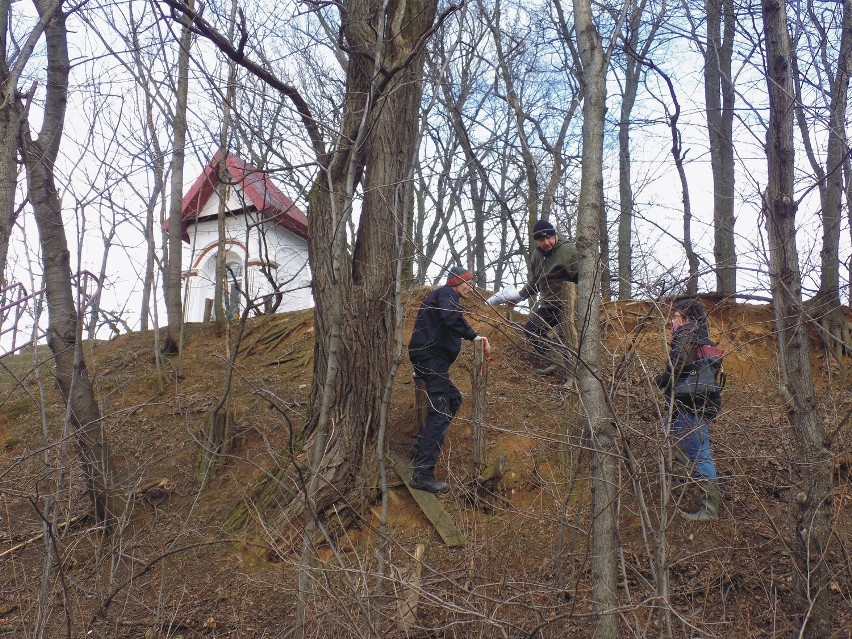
column 429, row 504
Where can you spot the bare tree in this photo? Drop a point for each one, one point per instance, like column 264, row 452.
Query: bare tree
column 355, row 283
column 604, row 545
column 11, row 69
column 64, row 328
column 679, row 157
column 637, row 45
column 719, row 98
column 817, row 27
column 173, row 265
column 811, row 502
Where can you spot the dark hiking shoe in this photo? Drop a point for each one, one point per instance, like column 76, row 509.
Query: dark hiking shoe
column 430, row 485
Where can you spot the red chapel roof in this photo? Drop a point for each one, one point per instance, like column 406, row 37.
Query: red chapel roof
column 256, row 187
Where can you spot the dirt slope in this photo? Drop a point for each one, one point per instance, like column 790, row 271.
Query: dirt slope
column 177, row 569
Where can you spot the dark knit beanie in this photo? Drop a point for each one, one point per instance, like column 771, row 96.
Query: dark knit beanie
column 543, row 229
column 458, row 274
column 691, row 308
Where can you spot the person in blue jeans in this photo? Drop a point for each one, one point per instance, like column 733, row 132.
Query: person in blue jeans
column 435, row 344
column 688, row 425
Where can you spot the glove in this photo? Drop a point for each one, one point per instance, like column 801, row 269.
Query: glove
column 486, row 347
column 508, row 295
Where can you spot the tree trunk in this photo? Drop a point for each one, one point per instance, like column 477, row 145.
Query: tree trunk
column 174, row 263
column 10, row 123
column 95, row 311
column 625, row 188
column 603, row 259
column 409, row 247
column 632, row 76
column 520, row 118
column 355, row 292
column 719, row 97
column 157, row 172
column 847, row 195
column 63, row 328
column 604, row 473
column 811, row 503
column 835, row 154
column 827, row 306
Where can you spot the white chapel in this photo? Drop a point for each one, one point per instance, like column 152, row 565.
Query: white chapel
column 266, row 242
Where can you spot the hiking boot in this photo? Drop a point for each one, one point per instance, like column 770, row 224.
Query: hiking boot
column 430, row 485
column 710, row 502
column 548, row 370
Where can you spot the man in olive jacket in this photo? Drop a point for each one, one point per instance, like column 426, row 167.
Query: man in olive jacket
column 553, row 262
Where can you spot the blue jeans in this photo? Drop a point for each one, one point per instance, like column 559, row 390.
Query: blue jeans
column 692, row 433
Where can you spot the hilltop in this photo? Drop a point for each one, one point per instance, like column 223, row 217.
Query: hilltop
column 178, row 569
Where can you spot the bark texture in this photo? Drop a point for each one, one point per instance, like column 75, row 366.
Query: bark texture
column 10, row 122
column 719, row 96
column 827, row 305
column 604, row 470
column 811, row 504
column 174, row 264
column 355, row 286
column 835, row 154
column 63, row 330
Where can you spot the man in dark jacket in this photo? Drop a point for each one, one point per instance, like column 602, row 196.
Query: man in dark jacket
column 435, row 344
column 553, row 262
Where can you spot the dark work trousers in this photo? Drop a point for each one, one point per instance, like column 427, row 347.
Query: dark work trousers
column 444, row 401
column 539, row 324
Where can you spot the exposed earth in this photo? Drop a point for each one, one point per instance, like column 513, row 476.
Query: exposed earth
column 178, row 569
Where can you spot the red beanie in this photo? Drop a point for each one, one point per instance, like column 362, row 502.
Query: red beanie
column 458, row 274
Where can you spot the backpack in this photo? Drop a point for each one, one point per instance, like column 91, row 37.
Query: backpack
column 700, row 387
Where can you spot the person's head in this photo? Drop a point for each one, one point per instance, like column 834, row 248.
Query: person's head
column 688, row 310
column 544, row 235
column 461, row 280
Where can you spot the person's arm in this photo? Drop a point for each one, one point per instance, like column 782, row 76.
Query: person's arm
column 453, row 317
column 569, row 263
column 530, row 288
column 683, row 349
column 680, row 356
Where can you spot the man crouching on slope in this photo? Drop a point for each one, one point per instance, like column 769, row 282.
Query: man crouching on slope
column 552, row 262
column 434, row 346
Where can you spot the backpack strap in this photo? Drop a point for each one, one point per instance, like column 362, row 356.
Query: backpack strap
column 706, row 350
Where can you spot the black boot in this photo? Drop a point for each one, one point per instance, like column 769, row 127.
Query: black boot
column 429, row 484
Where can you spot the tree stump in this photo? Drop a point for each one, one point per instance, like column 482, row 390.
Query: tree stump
column 479, row 386
column 421, row 402
column 216, row 444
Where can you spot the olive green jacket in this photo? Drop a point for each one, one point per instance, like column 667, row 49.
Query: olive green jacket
column 549, row 271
